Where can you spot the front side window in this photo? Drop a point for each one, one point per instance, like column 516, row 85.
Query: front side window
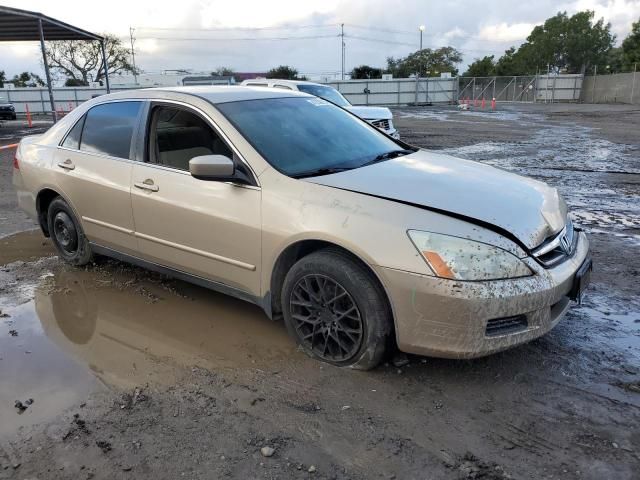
column 328, row 93
column 303, row 136
column 178, row 135
column 108, row 129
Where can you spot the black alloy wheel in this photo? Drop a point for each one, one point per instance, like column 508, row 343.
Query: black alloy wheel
column 326, row 318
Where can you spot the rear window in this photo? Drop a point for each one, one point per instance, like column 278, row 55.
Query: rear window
column 108, row 129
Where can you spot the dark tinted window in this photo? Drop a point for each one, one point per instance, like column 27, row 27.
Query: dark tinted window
column 300, row 135
column 178, row 135
column 108, row 128
column 73, row 137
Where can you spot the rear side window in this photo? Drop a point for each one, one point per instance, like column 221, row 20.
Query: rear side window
column 108, row 129
column 73, row 137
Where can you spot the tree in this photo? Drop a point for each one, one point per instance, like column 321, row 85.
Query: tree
column 510, row 63
column 631, row 47
column 426, row 62
column 81, row 61
column 3, row 78
column 364, row 72
column 563, row 44
column 283, row 72
column 27, row 79
column 481, row 67
column 223, row 72
column 73, row 82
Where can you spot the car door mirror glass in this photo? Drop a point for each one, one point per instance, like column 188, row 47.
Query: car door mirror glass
column 212, row 167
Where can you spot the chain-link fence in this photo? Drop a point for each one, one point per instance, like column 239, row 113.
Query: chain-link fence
column 528, row 88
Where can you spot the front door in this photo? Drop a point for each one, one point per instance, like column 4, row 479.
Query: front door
column 94, row 172
column 211, row 229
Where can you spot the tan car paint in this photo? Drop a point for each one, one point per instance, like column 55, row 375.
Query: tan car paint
column 102, row 184
column 213, row 231
column 235, row 234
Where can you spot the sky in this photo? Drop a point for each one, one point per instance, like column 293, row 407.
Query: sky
column 254, row 36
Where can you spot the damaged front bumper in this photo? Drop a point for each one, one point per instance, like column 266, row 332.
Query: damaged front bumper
column 453, row 319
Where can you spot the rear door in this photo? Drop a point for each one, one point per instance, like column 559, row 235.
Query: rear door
column 94, row 166
column 211, row 229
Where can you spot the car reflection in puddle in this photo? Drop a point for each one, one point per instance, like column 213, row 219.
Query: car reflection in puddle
column 125, row 338
column 83, row 322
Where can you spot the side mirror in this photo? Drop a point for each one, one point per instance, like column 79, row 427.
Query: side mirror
column 211, row 167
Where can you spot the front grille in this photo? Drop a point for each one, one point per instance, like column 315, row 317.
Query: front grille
column 383, row 124
column 558, row 248
column 506, row 325
column 6, row 108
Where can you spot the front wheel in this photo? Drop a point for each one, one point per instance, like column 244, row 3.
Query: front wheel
column 67, row 235
column 336, row 310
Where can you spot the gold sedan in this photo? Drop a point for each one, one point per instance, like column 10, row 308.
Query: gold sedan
column 357, row 240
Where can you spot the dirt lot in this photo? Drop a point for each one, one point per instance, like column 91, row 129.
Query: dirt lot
column 135, row 375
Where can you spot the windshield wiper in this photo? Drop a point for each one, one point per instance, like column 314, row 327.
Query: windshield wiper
column 387, row 156
column 321, row 171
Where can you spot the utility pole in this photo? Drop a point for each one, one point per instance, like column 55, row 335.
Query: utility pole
column 421, row 28
column 342, row 46
column 133, row 55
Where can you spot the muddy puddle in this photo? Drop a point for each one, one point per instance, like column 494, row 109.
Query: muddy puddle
column 68, row 331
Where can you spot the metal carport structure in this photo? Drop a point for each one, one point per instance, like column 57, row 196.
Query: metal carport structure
column 22, row 25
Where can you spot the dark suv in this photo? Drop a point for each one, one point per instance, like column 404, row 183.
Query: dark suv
column 7, row 110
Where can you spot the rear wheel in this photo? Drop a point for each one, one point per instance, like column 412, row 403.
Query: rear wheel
column 67, row 234
column 336, row 311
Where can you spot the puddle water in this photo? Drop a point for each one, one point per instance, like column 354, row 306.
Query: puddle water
column 453, row 114
column 118, row 325
column 32, row 367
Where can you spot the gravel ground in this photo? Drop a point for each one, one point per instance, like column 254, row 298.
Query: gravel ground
column 134, row 375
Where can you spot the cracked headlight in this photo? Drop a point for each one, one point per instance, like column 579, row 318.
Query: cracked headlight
column 461, row 259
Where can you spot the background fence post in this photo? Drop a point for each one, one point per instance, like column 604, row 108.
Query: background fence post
column 595, row 77
column 633, row 82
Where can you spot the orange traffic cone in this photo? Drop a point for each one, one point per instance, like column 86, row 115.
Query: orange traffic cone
column 483, row 104
column 493, row 104
column 29, row 122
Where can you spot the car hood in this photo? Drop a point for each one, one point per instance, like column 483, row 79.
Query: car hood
column 514, row 206
column 371, row 113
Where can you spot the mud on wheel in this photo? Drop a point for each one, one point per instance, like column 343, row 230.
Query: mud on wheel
column 67, row 234
column 336, row 310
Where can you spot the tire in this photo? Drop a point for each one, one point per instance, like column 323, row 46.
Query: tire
column 67, row 234
column 336, row 310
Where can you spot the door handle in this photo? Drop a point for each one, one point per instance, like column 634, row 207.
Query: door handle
column 67, row 164
column 147, row 185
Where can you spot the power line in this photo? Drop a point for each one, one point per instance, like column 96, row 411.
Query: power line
column 386, row 30
column 378, row 40
column 227, row 29
column 232, row 39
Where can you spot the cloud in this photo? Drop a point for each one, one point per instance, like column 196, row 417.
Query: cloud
column 390, row 29
column 503, row 32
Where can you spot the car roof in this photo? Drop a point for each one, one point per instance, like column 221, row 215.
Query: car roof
column 229, row 93
column 271, row 81
column 211, row 93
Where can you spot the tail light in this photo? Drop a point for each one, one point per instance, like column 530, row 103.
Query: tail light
column 16, row 165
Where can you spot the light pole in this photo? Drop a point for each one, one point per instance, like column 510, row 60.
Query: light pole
column 421, row 28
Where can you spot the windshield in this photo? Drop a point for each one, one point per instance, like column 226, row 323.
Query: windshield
column 328, row 93
column 308, row 136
